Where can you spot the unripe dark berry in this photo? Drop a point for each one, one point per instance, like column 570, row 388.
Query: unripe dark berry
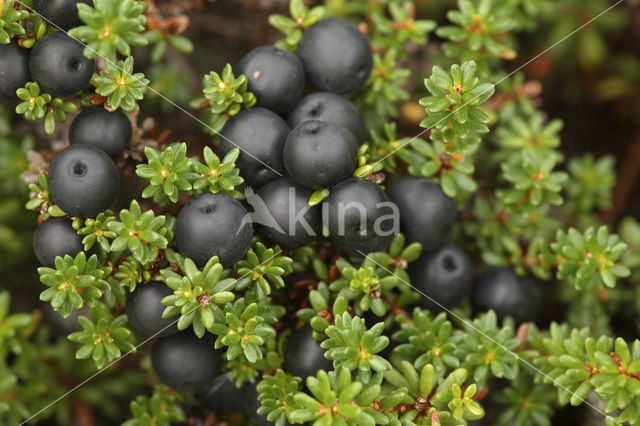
column 213, row 225
column 260, row 134
column 319, row 155
column 62, row 14
column 184, row 362
column 427, row 215
column 83, row 180
column 14, row 69
column 58, row 65
column 222, row 396
column 109, row 131
column 144, row 309
column 444, row 275
column 332, row 108
column 507, row 294
column 336, row 56
column 56, row 237
column 303, row 355
column 285, row 201
column 360, row 217
column 275, row 76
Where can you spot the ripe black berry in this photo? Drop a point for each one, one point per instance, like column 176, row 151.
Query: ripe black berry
column 83, row 180
column 184, row 362
column 275, row 76
column 332, row 108
column 360, row 217
column 303, row 355
column 260, row 135
column 336, row 56
column 507, row 294
column 63, row 14
column 286, row 202
column 222, row 396
column 426, row 214
column 319, row 155
column 57, row 64
column 445, row 275
column 213, row 225
column 14, row 69
column 109, row 131
column 144, row 309
column 56, row 237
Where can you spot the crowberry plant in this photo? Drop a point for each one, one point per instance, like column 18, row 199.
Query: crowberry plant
column 377, row 220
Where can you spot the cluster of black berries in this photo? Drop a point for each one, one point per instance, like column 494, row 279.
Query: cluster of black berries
column 317, row 148
column 83, row 178
column 55, row 62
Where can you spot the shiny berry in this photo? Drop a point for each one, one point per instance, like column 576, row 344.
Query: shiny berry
column 360, row 218
column 275, row 76
column 319, row 155
column 109, row 131
column 61, row 14
column 56, row 237
column 332, row 108
column 144, row 309
column 427, row 215
column 336, row 56
column 303, row 355
column 58, row 65
column 260, row 134
column 213, row 225
column 83, row 180
column 443, row 277
column 507, row 294
column 14, row 69
column 184, row 362
column 288, row 220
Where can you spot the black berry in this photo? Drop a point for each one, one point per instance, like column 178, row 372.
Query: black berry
column 332, row 108
column 360, row 217
column 184, row 362
column 336, row 56
column 286, row 203
column 444, row 275
column 109, row 131
column 213, row 225
column 63, row 14
column 507, row 294
column 222, row 396
column 83, row 180
column 360, row 249
column 303, row 355
column 426, row 214
column 275, row 76
column 14, row 69
column 319, row 155
column 57, row 64
column 144, row 309
column 260, row 134
column 56, row 237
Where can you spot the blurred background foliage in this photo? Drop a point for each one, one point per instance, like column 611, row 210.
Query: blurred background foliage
column 591, row 81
